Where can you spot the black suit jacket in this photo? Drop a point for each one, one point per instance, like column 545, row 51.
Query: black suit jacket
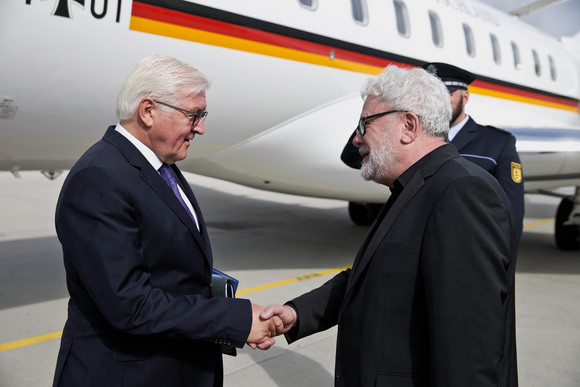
column 430, row 298
column 491, row 148
column 138, row 273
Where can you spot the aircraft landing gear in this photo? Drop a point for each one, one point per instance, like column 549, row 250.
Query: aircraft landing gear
column 567, row 228
column 363, row 214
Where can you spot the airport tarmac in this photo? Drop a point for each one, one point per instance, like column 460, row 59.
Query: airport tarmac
column 278, row 246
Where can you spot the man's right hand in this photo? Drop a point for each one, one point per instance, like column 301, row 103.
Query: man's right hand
column 285, row 313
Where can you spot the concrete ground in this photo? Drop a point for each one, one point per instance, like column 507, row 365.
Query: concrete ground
column 264, row 238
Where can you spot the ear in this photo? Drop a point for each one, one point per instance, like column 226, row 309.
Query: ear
column 411, row 127
column 465, row 97
column 146, row 111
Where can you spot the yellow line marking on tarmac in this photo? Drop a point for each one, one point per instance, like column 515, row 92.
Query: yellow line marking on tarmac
column 30, row 341
column 538, row 222
column 290, row 280
column 57, row 335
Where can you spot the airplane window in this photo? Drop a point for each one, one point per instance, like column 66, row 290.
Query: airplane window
column 309, row 4
column 403, row 25
column 537, row 66
column 359, row 11
column 495, row 49
column 469, row 40
column 436, row 30
column 552, row 67
column 516, row 52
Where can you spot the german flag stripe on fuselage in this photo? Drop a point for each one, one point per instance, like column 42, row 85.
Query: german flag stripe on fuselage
column 188, row 21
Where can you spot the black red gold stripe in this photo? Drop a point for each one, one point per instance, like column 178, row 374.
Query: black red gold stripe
column 189, row 21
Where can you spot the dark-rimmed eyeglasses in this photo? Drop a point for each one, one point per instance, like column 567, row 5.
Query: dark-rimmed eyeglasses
column 362, row 126
column 193, row 117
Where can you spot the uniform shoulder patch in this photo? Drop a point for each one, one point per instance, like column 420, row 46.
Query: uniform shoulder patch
column 516, row 172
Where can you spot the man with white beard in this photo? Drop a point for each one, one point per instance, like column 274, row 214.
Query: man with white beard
column 429, row 300
column 491, row 148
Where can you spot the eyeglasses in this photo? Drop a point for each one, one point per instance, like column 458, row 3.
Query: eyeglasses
column 193, row 117
column 362, row 126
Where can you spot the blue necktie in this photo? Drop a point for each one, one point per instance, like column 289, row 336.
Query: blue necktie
column 169, row 176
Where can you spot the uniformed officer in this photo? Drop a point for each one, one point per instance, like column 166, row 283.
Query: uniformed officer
column 491, row 148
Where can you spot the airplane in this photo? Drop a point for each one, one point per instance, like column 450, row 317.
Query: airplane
column 286, row 77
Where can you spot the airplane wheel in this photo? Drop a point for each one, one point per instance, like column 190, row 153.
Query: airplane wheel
column 363, row 214
column 567, row 236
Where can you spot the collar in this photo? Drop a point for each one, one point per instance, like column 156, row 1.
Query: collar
column 454, row 130
column 145, row 151
column 406, row 176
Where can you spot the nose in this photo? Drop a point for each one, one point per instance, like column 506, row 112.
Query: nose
column 199, row 127
column 358, row 140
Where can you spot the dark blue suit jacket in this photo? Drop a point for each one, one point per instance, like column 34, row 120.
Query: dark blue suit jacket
column 139, row 275
column 491, row 148
column 494, row 150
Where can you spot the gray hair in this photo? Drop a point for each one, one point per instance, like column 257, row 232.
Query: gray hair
column 414, row 90
column 158, row 77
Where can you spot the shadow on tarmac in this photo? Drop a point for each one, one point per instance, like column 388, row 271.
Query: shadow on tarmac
column 289, row 368
column 538, row 254
column 31, row 271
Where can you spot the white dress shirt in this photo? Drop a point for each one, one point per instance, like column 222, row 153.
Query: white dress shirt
column 155, row 163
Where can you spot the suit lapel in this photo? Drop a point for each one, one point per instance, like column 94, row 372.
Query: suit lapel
column 385, row 221
column 202, row 232
column 154, row 180
column 379, row 232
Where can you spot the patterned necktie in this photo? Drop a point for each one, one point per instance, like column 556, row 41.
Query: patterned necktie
column 169, row 176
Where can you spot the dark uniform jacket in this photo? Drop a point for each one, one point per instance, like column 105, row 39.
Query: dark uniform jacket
column 138, row 273
column 491, row 148
column 430, row 297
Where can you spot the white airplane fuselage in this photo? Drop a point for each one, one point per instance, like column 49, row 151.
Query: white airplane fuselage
column 285, row 82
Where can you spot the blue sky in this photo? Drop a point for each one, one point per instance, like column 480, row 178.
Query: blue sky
column 560, row 19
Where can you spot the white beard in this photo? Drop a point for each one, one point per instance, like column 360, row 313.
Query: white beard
column 379, row 162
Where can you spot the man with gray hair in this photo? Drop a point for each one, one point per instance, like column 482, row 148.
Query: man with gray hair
column 136, row 248
column 491, row 148
column 429, row 300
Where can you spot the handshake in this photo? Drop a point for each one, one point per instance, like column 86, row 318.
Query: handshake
column 268, row 322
